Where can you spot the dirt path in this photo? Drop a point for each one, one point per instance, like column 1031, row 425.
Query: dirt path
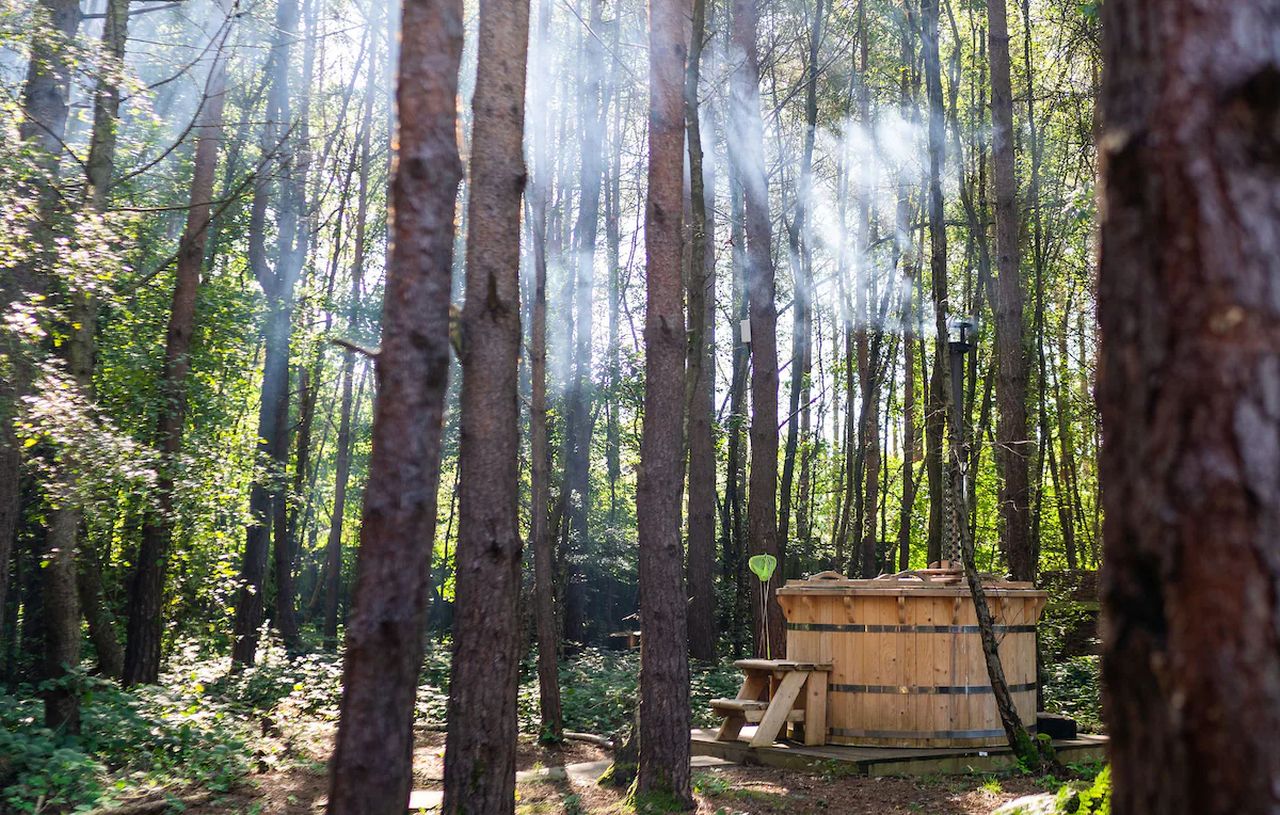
column 293, row 782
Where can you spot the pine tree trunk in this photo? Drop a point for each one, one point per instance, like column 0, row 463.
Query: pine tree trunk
column 1012, row 445
column 700, row 372
column 481, row 743
column 935, row 413
column 277, row 284
column 371, row 770
column 802, row 263
column 663, row 773
column 1188, row 396
column 734, row 561
column 44, row 108
column 747, row 148
column 146, row 587
column 539, row 446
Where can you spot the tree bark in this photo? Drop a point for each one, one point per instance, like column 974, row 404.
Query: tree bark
column 371, row 770
column 664, row 666
column 481, row 744
column 802, row 306
column 700, row 374
column 277, row 286
column 143, row 636
column 935, row 414
column 1187, row 389
column 579, row 421
column 1012, row 444
column 44, row 108
column 747, row 148
column 539, row 446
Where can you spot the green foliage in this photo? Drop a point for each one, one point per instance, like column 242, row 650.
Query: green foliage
column 146, row 738
column 1073, row 687
column 599, row 691
column 1078, row 798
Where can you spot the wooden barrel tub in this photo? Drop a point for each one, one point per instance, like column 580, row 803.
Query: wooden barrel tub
column 906, row 655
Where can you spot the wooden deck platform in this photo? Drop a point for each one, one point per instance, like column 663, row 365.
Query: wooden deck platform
column 879, row 761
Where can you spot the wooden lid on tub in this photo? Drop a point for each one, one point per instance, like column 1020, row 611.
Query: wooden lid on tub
column 942, row 579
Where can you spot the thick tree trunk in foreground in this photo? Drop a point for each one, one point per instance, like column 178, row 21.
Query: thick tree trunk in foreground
column 701, row 362
column 480, row 749
column 1188, row 389
column 371, row 770
column 1012, row 445
column 146, row 588
column 747, row 148
column 664, row 663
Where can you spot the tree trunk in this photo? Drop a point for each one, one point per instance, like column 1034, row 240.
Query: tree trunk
column 146, row 588
column 1012, row 444
column 734, row 561
column 802, row 262
column 481, row 744
column 664, row 665
column 700, row 363
column 371, row 770
column 539, row 447
column 97, row 614
column 579, row 422
column 935, row 414
column 277, row 285
column 1187, row 390
column 44, row 107
column 747, row 147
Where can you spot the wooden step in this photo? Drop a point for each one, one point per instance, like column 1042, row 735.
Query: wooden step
column 737, row 705
column 780, row 665
column 750, row 712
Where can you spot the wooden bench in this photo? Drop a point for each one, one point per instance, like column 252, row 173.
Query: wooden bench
column 776, row 692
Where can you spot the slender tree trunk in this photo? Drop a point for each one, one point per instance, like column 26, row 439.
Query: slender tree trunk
column 97, row 614
column 902, row 253
column 700, row 363
column 44, row 107
column 801, row 254
column 578, row 431
column 664, row 666
column 735, row 477
column 371, row 770
column 146, row 589
column 539, row 447
column 747, row 148
column 277, row 284
column 481, row 743
column 935, row 414
column 1012, row 444
column 1191, row 647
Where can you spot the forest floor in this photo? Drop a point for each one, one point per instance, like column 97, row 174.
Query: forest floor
column 209, row 741
column 297, row 785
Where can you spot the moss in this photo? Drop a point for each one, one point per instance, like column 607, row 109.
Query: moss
column 657, row 802
column 620, row 775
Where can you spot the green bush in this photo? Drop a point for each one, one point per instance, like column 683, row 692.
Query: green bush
column 1073, row 687
column 599, row 691
column 146, row 738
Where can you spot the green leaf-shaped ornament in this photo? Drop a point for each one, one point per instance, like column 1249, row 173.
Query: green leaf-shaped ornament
column 763, row 566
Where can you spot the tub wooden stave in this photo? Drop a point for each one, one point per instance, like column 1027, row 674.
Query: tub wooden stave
column 907, row 662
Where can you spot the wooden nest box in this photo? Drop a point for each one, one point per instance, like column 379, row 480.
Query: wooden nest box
column 907, row 667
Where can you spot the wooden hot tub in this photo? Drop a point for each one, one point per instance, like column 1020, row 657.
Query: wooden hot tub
column 907, row 665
